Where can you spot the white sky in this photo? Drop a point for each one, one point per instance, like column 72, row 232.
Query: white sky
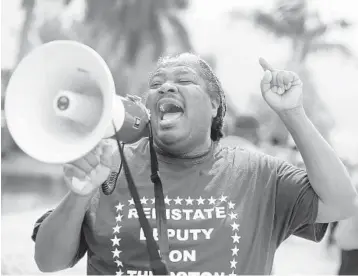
column 237, row 48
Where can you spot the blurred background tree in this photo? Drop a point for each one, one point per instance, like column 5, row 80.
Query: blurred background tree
column 129, row 35
column 306, row 32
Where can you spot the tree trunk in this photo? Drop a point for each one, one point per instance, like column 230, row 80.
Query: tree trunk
column 28, row 6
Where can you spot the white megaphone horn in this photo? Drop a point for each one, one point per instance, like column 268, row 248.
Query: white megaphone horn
column 61, row 101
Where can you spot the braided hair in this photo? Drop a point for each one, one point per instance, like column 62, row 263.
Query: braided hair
column 214, row 88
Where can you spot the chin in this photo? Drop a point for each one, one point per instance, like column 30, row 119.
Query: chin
column 170, row 137
column 172, row 141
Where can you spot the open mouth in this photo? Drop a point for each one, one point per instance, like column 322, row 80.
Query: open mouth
column 170, row 111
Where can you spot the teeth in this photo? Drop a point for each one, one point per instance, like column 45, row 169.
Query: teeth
column 171, row 116
column 162, row 107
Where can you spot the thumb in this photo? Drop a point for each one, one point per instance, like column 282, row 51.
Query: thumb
column 265, row 65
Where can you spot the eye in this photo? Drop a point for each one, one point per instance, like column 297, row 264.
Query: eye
column 155, row 85
column 185, row 81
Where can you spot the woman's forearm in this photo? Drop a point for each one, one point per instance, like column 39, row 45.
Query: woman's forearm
column 327, row 174
column 58, row 237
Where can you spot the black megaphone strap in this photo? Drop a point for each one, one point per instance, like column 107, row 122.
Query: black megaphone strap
column 158, row 265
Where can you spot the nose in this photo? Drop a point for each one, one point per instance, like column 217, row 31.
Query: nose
column 168, row 88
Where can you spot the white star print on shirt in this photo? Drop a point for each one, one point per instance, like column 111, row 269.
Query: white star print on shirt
column 116, row 253
column 115, row 241
column 233, row 263
column 235, row 226
column 178, row 200
column 231, row 205
column 234, row 251
column 167, row 200
column 144, row 200
column 212, row 200
column 119, row 217
column 189, row 201
column 119, row 207
column 223, row 198
column 236, row 238
column 116, row 229
column 200, row 200
column 118, row 262
column 233, row 215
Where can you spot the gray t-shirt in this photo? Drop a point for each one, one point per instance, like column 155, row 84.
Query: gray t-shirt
column 227, row 211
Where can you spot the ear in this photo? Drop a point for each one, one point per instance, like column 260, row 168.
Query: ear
column 215, row 102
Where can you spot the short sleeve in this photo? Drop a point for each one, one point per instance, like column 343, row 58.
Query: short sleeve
column 296, row 205
column 82, row 249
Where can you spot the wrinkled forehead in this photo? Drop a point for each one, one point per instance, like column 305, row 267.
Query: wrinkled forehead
column 185, row 63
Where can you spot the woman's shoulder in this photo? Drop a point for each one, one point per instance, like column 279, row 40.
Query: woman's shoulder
column 246, row 157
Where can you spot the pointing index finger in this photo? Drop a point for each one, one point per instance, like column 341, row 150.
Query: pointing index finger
column 265, row 65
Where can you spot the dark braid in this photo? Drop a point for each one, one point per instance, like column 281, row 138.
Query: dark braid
column 214, row 87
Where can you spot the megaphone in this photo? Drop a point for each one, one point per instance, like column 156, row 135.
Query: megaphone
column 61, row 101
